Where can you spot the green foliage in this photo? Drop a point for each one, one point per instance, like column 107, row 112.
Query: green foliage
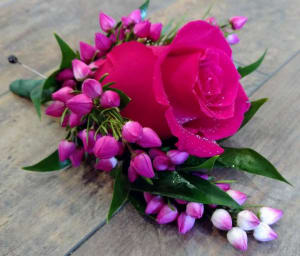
column 144, row 9
column 244, row 71
column 203, row 164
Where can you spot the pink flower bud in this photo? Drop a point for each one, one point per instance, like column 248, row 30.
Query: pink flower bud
column 55, row 109
column 195, row 210
column 63, row 94
column 154, row 152
column 269, row 215
column 264, row 233
column 64, row 75
column 148, row 196
column 126, row 21
column 154, row 205
column 247, row 220
column 161, row 163
column 135, row 16
column 121, row 149
column 177, row 157
column 143, row 166
column 102, row 42
column 155, row 31
column 110, row 99
column 132, row 175
column 76, row 157
column 212, row 21
column 237, row 22
column 132, row 131
column 80, row 104
column 91, row 88
column 106, row 164
column 185, row 223
column 149, row 139
column 69, row 83
column 88, row 144
column 80, row 69
column 221, row 219
column 107, row 23
column 238, row 239
column 87, row 52
column 167, row 214
column 238, row 196
column 179, row 201
column 106, row 147
column 74, row 120
column 233, row 39
column 223, row 186
column 142, row 29
column 65, row 149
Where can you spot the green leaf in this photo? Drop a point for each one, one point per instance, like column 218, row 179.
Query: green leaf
column 186, row 187
column 255, row 106
column 144, row 9
column 67, row 54
column 244, row 71
column 124, row 99
column 49, row 164
column 167, row 28
column 206, row 164
column 36, row 96
column 120, row 194
column 248, row 160
column 23, row 87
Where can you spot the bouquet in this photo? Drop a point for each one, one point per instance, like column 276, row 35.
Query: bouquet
column 152, row 106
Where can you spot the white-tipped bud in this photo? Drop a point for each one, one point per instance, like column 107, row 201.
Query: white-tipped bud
column 238, row 239
column 221, row 219
column 269, row 215
column 264, row 233
column 247, row 220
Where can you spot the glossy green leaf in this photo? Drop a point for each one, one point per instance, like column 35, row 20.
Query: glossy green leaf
column 248, row 160
column 120, row 194
column 184, row 186
column 67, row 54
column 144, row 9
column 49, row 164
column 124, row 99
column 255, row 106
column 246, row 70
column 36, row 96
column 23, row 87
column 207, row 164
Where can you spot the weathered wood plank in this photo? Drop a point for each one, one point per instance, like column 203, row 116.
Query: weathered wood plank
column 274, row 132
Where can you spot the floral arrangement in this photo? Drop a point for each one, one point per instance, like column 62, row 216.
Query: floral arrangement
column 151, row 105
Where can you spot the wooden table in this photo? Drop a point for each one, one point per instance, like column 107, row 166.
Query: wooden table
column 63, row 213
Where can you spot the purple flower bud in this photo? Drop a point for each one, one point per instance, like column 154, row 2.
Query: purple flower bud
column 269, row 215
column 102, row 42
column 264, row 233
column 63, row 94
column 179, row 201
column 238, row 238
column 76, row 157
column 55, row 109
column 155, row 31
column 88, row 144
column 135, row 16
column 167, row 214
column 221, row 219
column 161, row 163
column 107, row 23
column 149, row 139
column 69, row 83
column 195, row 210
column 65, row 149
column 212, row 21
column 154, row 205
column 143, row 166
column 148, row 196
column 238, row 196
column 154, row 152
column 237, row 22
column 177, row 157
column 80, row 104
column 126, row 21
column 91, row 88
column 185, row 223
column 132, row 131
column 142, row 29
column 106, row 164
column 106, row 147
column 87, row 52
column 132, row 175
column 212, row 206
column 110, row 99
column 223, row 186
column 64, row 75
column 80, row 69
column 74, row 120
column 247, row 220
column 233, row 39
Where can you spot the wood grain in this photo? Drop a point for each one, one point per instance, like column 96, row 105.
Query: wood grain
column 274, row 132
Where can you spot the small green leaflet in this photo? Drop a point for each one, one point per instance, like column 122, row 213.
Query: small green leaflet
column 248, row 160
column 23, row 87
column 120, row 194
column 255, row 106
column 67, row 54
column 244, row 71
column 124, row 99
column 144, row 9
column 207, row 164
column 49, row 164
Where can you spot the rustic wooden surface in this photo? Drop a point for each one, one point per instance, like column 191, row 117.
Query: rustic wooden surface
column 63, row 213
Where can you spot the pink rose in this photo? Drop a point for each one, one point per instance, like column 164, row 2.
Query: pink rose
column 189, row 89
